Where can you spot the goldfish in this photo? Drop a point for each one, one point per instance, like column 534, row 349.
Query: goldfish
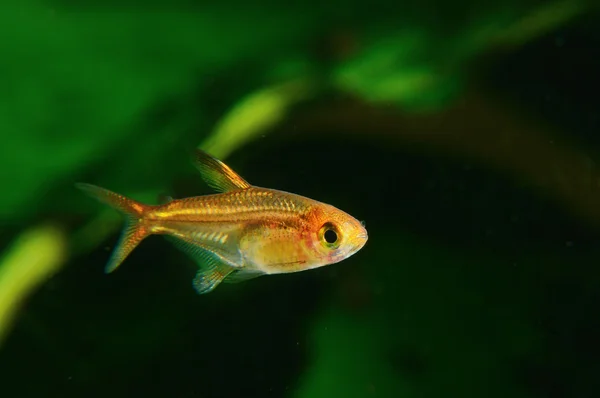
column 238, row 233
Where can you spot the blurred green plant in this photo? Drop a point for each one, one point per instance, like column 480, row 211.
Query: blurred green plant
column 421, row 67
column 76, row 83
column 28, row 262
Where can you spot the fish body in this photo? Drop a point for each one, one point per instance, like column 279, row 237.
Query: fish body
column 240, row 233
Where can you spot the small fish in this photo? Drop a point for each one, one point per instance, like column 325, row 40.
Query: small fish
column 240, row 233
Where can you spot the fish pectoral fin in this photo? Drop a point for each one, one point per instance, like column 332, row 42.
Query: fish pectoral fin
column 217, row 174
column 207, row 279
column 241, row 275
column 203, row 253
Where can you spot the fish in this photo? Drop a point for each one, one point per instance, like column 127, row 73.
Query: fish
column 240, row 232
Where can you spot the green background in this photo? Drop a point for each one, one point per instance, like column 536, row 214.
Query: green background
column 472, row 284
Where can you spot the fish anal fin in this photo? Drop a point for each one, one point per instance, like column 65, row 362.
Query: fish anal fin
column 211, row 268
column 207, row 279
column 217, row 174
column 197, row 238
column 202, row 254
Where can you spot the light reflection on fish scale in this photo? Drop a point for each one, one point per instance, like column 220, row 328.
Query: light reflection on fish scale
column 274, row 204
column 217, row 237
column 237, row 202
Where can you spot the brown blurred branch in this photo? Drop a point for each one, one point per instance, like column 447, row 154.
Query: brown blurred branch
column 478, row 129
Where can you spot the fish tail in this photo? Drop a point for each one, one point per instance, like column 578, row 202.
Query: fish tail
column 136, row 227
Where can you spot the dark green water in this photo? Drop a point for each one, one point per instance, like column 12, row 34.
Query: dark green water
column 475, row 282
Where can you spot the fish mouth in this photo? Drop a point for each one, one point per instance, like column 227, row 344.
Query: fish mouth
column 360, row 240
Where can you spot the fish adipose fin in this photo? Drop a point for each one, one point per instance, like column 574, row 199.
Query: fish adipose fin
column 135, row 229
column 212, row 268
column 164, row 198
column 217, row 174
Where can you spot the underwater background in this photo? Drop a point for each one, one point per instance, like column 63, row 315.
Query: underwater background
column 465, row 134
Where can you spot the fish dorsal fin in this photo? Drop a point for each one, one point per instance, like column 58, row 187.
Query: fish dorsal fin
column 217, row 174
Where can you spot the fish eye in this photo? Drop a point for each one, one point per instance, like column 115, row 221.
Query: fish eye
column 329, row 236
